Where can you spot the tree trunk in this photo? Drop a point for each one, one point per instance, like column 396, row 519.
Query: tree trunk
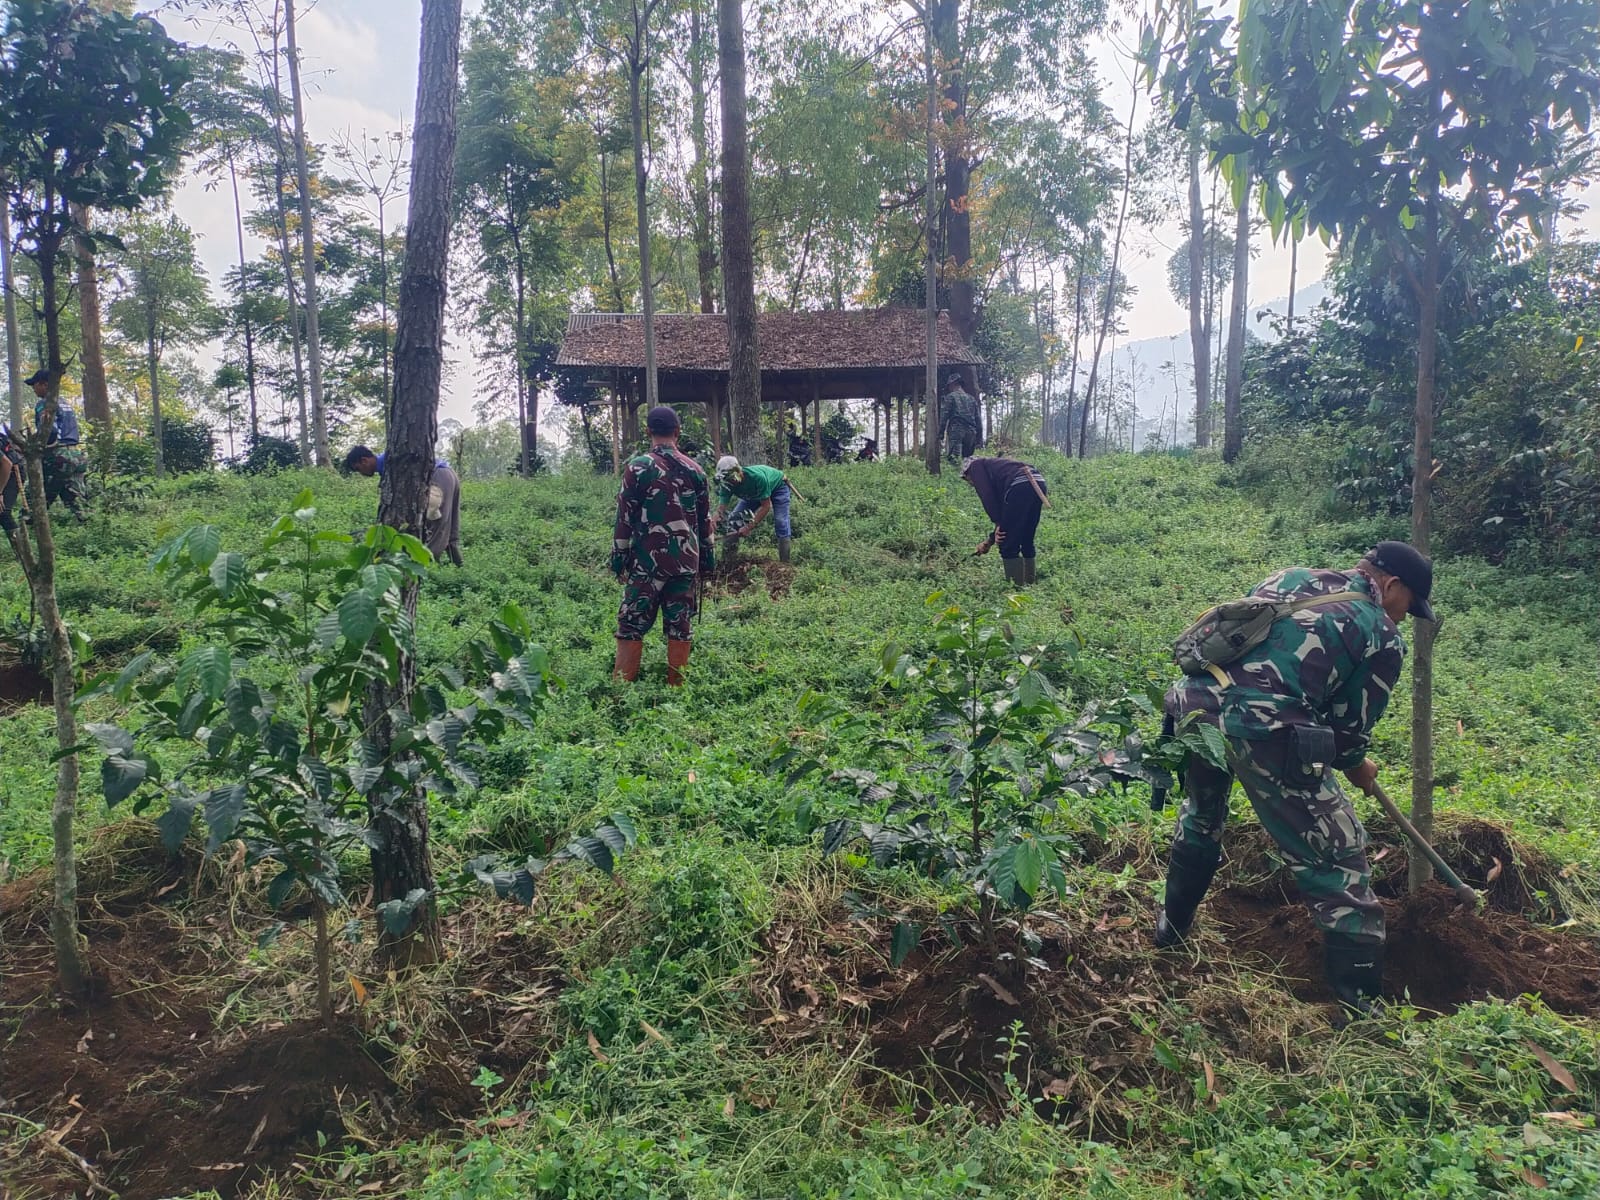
column 13, row 330
column 930, row 215
column 522, row 359
column 96, row 396
column 383, row 308
column 294, row 319
column 612, row 270
column 402, row 863
column 705, row 251
column 1072, row 378
column 1294, row 264
column 1421, row 870
column 1199, row 334
column 244, row 304
column 153, row 364
column 72, row 971
column 641, row 201
column 308, row 245
column 946, row 34
column 1111, row 281
column 738, row 255
column 1232, row 415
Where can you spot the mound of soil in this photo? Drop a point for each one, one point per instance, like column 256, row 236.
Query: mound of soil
column 739, row 576
column 142, row 1085
column 1439, row 955
column 22, row 683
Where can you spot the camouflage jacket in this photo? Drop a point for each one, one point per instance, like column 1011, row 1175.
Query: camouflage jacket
column 663, row 517
column 1334, row 665
column 959, row 407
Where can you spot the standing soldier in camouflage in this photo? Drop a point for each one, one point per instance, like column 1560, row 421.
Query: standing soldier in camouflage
column 960, row 417
column 1292, row 710
column 661, row 543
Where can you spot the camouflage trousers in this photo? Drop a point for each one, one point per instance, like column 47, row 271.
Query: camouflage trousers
column 66, row 477
column 1307, row 815
column 644, row 596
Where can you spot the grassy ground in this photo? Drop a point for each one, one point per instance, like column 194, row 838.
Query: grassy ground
column 659, row 1072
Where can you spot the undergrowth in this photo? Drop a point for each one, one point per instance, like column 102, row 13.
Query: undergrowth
column 656, row 1077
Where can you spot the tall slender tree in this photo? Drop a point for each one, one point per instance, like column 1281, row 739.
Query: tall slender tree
column 1233, row 386
column 402, row 865
column 738, row 253
column 308, row 242
column 93, row 121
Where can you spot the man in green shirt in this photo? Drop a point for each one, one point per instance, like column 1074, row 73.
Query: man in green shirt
column 759, row 490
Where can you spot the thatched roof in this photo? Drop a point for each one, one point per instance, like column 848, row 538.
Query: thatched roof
column 882, row 339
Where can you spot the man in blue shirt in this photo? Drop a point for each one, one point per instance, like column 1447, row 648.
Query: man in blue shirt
column 441, row 527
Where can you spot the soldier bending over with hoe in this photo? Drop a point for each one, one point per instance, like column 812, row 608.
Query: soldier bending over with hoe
column 661, row 542
column 1322, row 651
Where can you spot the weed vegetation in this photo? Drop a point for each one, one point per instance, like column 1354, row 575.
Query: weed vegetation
column 735, row 1012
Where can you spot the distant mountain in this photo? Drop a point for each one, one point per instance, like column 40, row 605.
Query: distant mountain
column 1152, row 356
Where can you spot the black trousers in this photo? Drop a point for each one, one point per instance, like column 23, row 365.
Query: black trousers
column 1019, row 518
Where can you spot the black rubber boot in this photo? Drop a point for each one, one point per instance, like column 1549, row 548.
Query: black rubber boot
column 1355, row 971
column 1013, row 570
column 783, row 549
column 1030, row 570
column 1189, row 874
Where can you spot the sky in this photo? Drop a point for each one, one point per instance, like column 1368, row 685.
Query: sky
column 360, row 75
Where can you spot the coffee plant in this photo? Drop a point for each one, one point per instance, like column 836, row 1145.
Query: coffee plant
column 262, row 727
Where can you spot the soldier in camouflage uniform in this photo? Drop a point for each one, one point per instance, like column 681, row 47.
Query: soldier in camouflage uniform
column 1292, row 710
column 661, row 542
column 961, row 419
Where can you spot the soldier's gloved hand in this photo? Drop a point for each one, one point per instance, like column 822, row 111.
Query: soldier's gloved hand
column 618, row 563
column 1364, row 775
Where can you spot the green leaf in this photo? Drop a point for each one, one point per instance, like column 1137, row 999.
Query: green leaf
column 120, row 776
column 176, row 822
column 243, row 699
column 593, row 851
column 1003, row 875
column 209, row 668
column 280, row 887
column 228, row 572
column 1029, row 867
column 112, row 738
column 1216, row 747
column 358, row 617
column 203, row 543
column 123, row 688
column 397, row 915
column 224, row 806
column 906, row 936
column 625, row 826
column 834, row 835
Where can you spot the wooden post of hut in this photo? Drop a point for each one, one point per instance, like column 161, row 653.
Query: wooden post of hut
column 916, row 417
column 900, row 423
column 816, row 420
column 714, row 416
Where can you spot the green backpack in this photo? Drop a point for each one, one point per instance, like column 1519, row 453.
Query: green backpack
column 1228, row 632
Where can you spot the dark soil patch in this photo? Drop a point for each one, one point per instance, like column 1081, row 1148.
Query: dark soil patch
column 740, row 575
column 142, row 1083
column 22, row 683
column 1439, row 954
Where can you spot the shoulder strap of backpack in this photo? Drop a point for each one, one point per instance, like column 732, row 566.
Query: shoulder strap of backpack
column 1221, row 675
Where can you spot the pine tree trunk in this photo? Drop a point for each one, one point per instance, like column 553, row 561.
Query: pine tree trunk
column 96, row 396
column 1109, row 311
column 641, row 201
column 957, row 175
column 153, row 364
column 13, row 330
column 308, row 245
column 1421, row 870
column 705, row 251
column 1232, row 414
column 244, row 299
column 930, row 291
column 402, row 863
column 738, row 256
column 1199, row 333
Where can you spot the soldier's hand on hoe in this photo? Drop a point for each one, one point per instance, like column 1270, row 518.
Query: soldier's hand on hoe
column 1364, row 775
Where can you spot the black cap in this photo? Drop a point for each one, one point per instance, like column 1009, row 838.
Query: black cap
column 1410, row 567
column 42, row 375
column 663, row 419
